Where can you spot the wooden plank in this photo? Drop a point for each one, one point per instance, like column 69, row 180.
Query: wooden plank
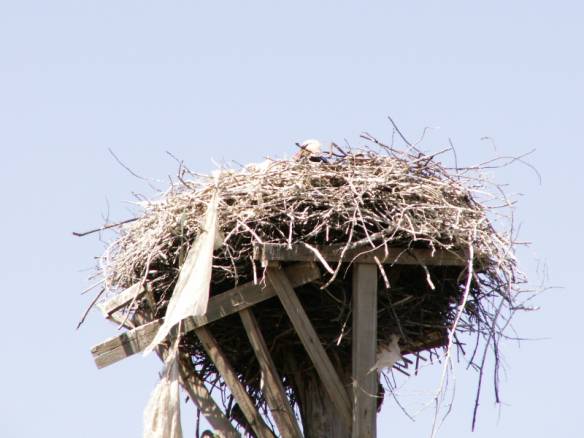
column 125, row 345
column 272, row 384
column 128, row 295
column 203, row 400
column 221, row 305
column 364, row 350
column 322, row 363
column 332, row 253
column 122, row 299
column 228, row 374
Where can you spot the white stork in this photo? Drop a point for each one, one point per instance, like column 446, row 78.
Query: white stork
column 309, row 148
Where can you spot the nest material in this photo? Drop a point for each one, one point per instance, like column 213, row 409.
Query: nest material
column 381, row 197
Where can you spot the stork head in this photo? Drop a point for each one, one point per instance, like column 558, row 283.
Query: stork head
column 311, row 145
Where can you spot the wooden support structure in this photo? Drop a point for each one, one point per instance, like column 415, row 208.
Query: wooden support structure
column 364, row 350
column 297, row 272
column 355, row 412
column 322, row 363
column 221, row 305
column 239, row 393
column 272, row 384
column 191, row 383
column 200, row 396
column 271, row 252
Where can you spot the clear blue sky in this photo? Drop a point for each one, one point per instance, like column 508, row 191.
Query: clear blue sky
column 241, row 80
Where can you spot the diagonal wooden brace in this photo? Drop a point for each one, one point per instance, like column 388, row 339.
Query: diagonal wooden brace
column 237, row 389
column 200, row 396
column 194, row 387
column 272, row 384
column 322, row 363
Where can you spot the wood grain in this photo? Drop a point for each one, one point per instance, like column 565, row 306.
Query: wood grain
column 322, row 363
column 364, row 350
column 221, row 305
column 273, row 388
column 237, row 390
column 332, row 253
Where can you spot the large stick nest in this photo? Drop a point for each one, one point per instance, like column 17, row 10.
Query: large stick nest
column 376, row 196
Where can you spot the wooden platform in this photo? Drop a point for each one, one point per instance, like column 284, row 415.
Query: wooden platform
column 357, row 410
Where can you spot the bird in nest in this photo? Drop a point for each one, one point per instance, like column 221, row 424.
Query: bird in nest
column 310, row 149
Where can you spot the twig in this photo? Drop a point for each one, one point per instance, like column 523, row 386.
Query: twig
column 82, row 320
column 104, row 227
column 120, row 162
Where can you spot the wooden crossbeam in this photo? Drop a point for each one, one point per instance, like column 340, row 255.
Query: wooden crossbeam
column 322, row 363
column 364, row 350
column 272, row 384
column 332, row 253
column 246, row 405
column 221, row 305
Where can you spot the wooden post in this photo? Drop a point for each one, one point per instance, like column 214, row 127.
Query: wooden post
column 320, row 417
column 364, row 350
column 272, row 384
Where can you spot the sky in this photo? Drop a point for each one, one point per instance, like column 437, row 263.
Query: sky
column 218, row 81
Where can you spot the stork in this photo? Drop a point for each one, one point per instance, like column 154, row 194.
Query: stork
column 311, row 149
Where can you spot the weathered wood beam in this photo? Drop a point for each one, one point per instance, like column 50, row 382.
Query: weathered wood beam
column 237, row 390
column 125, row 345
column 221, row 305
column 200, row 396
column 364, row 350
column 305, row 331
column 272, row 384
column 332, row 253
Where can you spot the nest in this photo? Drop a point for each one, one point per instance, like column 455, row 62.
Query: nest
column 374, row 197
